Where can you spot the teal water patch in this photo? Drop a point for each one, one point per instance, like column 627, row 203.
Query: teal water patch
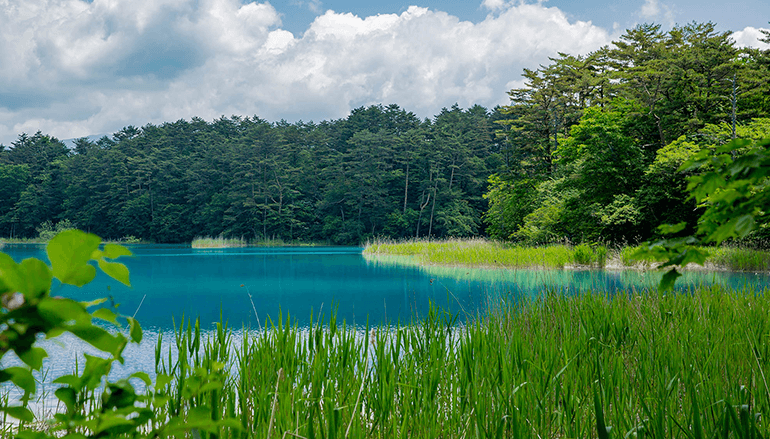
column 172, row 282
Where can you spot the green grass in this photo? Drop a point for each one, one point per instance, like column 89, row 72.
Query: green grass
column 480, row 252
column 689, row 365
column 218, row 242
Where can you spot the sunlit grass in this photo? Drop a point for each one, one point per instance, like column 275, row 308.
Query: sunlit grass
column 480, row 252
column 484, row 253
column 218, row 242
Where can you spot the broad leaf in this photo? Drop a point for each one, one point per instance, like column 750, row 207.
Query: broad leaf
column 136, row 330
column 18, row 412
column 115, row 270
column 113, row 251
column 34, row 357
column 69, row 253
column 11, row 274
column 38, row 277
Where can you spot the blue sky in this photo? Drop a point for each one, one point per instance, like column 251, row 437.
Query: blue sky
column 74, row 68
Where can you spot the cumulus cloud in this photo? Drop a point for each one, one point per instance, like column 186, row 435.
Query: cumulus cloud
column 750, row 37
column 73, row 68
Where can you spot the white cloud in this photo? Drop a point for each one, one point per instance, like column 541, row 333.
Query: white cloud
column 72, row 68
column 749, row 37
column 494, row 5
column 650, row 9
column 654, row 10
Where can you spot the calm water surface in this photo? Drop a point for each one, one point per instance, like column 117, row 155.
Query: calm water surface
column 177, row 281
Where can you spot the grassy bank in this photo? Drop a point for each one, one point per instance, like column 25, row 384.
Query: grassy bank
column 663, row 366
column 480, row 252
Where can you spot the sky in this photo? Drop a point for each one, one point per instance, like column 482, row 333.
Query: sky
column 74, row 68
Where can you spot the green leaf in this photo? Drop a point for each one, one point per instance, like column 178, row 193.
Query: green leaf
column 601, row 428
column 106, row 315
column 20, row 376
column 136, row 330
column 18, row 412
column 99, row 338
column 668, row 279
column 34, row 357
column 67, row 396
column 107, row 421
column 142, row 376
column 114, row 251
column 11, row 274
column 59, row 311
column 38, row 277
column 669, row 229
column 162, row 380
column 68, row 380
column 69, row 253
column 115, row 270
column 94, row 302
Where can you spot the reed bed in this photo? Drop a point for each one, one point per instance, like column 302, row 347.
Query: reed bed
column 218, row 242
column 480, row 252
column 691, row 365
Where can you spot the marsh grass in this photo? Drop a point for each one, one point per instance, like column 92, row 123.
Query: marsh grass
column 218, row 242
column 484, row 253
column 481, row 252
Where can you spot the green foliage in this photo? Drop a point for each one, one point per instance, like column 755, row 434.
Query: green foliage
column 92, row 405
column 734, row 191
column 509, row 203
column 47, row 230
column 603, row 124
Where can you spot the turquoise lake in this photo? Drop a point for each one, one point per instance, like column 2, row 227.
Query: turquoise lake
column 175, row 281
column 171, row 282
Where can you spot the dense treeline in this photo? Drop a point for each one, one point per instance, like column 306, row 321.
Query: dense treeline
column 596, row 140
column 588, row 150
column 380, row 171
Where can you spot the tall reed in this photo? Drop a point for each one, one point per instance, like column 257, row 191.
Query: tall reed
column 641, row 364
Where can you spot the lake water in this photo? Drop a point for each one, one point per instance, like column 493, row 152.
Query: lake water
column 178, row 281
column 172, row 282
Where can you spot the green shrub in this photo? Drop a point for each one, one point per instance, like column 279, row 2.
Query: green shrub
column 582, row 254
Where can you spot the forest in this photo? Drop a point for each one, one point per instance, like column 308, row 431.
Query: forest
column 589, row 149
